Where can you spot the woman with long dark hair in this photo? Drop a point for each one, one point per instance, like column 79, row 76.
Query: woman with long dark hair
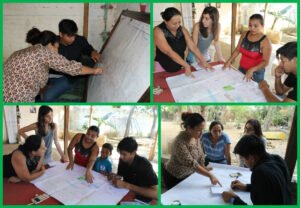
column 26, row 162
column 206, row 32
column 45, row 128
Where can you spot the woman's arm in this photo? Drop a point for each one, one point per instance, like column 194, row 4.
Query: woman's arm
column 162, row 44
column 60, row 63
column 235, row 53
column 58, row 147
column 90, row 165
column 31, row 127
column 19, row 164
column 191, row 45
column 195, row 33
column 266, row 53
column 71, row 146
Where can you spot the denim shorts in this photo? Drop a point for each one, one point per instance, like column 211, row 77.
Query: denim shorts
column 258, row 76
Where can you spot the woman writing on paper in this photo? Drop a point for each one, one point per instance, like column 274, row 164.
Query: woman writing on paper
column 47, row 129
column 171, row 40
column 26, row 71
column 187, row 155
column 206, row 32
column 255, row 48
column 26, row 162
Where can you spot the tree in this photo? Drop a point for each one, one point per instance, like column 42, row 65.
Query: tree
column 128, row 124
column 153, row 128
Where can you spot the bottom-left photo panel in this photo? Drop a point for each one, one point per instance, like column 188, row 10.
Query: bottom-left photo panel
column 80, row 155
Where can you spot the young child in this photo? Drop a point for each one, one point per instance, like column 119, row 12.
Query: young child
column 103, row 163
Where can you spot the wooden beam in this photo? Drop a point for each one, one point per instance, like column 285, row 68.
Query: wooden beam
column 233, row 26
column 66, row 129
column 86, row 20
column 152, row 148
column 291, row 149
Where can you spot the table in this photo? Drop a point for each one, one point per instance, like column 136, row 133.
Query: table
column 195, row 190
column 160, row 80
column 23, row 192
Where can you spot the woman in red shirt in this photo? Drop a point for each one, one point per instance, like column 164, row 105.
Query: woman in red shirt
column 255, row 48
column 86, row 151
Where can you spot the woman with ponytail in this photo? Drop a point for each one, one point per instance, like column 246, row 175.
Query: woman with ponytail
column 26, row 70
column 26, row 162
column 187, row 154
column 45, row 128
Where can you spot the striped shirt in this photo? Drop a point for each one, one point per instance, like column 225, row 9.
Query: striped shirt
column 215, row 152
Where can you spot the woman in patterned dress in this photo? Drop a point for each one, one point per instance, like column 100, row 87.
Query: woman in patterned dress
column 187, row 155
column 26, row 70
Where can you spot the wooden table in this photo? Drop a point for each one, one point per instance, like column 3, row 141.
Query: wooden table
column 160, row 80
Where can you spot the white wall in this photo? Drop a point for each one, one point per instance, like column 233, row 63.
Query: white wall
column 29, row 118
column 19, row 18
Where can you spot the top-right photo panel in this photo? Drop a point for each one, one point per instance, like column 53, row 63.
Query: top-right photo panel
column 225, row 52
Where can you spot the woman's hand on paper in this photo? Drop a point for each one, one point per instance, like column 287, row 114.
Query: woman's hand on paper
column 70, row 166
column 188, row 71
column 89, row 177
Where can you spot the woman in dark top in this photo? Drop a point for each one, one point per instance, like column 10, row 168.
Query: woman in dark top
column 26, row 162
column 255, row 48
column 171, row 40
column 86, row 151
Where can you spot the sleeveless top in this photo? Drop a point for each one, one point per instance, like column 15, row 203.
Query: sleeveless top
column 251, row 52
column 177, row 43
column 8, row 169
column 48, row 139
column 204, row 43
column 82, row 155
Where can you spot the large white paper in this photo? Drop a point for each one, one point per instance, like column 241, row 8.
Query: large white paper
column 214, row 86
column 126, row 63
column 196, row 189
column 70, row 188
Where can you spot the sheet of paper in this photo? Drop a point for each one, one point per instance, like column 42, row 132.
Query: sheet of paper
column 71, row 188
column 214, row 86
column 217, row 190
column 126, row 64
column 196, row 189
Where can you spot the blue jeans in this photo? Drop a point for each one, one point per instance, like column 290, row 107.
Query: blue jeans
column 191, row 58
column 258, row 76
column 56, row 87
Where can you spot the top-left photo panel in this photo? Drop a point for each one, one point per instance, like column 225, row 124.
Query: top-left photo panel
column 76, row 52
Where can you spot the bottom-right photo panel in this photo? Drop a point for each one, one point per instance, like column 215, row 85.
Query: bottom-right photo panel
column 216, row 155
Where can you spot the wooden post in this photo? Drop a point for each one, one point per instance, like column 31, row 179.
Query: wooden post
column 152, row 149
column 86, row 20
column 66, row 129
column 233, row 26
column 291, row 149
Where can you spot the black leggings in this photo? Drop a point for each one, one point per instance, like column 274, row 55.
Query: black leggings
column 169, row 179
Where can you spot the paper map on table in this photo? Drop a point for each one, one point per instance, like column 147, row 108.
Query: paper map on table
column 214, row 86
column 70, row 188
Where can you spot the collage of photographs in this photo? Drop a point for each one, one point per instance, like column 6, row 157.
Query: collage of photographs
column 153, row 103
